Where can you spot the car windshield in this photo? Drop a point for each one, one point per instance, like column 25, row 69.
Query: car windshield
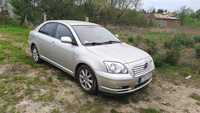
column 94, row 35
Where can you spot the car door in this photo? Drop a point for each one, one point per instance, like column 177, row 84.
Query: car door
column 64, row 52
column 46, row 39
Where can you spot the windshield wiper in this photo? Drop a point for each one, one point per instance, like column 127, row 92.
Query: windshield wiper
column 93, row 43
column 101, row 43
column 111, row 42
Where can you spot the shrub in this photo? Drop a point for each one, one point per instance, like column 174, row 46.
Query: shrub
column 180, row 40
column 197, row 49
column 196, row 39
column 159, row 59
column 172, row 56
column 135, row 40
column 151, row 46
column 150, row 110
column 132, row 17
column 130, row 39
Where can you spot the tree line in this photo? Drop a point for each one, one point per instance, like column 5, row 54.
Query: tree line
column 189, row 17
column 100, row 11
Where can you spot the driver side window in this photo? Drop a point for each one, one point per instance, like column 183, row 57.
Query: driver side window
column 63, row 31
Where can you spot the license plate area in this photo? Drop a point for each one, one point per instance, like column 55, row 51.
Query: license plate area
column 144, row 78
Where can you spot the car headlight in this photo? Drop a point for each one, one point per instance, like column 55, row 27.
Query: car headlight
column 116, row 68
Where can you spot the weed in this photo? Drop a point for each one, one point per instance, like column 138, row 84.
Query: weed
column 130, row 39
column 197, row 49
column 196, row 39
column 159, row 59
column 91, row 108
column 173, row 56
column 179, row 41
column 151, row 46
column 195, row 96
column 135, row 40
column 55, row 111
column 114, row 111
column 150, row 110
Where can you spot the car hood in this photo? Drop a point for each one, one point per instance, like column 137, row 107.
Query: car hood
column 121, row 52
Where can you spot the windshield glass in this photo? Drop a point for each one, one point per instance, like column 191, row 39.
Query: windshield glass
column 94, row 34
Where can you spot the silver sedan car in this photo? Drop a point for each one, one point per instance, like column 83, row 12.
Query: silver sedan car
column 92, row 55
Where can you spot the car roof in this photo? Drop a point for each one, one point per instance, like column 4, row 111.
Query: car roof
column 72, row 22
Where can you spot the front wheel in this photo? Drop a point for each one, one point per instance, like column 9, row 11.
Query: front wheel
column 87, row 79
column 35, row 55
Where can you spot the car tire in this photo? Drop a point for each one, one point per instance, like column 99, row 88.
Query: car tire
column 87, row 79
column 35, row 54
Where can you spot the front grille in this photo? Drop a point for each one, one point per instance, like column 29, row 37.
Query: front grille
column 141, row 69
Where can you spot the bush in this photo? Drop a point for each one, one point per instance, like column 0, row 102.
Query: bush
column 197, row 49
column 151, row 46
column 135, row 40
column 130, row 39
column 179, row 41
column 196, row 39
column 133, row 17
column 172, row 56
column 159, row 59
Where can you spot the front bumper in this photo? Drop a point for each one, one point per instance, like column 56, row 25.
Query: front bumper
column 121, row 84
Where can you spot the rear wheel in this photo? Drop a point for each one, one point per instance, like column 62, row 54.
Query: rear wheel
column 35, row 54
column 87, row 79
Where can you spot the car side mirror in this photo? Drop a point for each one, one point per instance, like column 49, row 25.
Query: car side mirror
column 66, row 39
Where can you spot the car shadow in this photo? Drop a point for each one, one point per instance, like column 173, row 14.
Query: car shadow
column 137, row 96
column 61, row 75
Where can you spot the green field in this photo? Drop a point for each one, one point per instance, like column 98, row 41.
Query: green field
column 25, row 86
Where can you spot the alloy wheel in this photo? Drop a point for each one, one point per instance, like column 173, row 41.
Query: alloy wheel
column 35, row 55
column 86, row 79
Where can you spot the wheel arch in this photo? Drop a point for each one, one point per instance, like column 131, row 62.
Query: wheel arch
column 96, row 81
column 32, row 45
column 79, row 65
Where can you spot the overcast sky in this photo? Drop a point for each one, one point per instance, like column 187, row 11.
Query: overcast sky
column 171, row 5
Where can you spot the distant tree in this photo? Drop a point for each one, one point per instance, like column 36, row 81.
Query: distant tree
column 160, row 11
column 197, row 14
column 56, row 9
column 24, row 9
column 105, row 11
column 183, row 13
column 151, row 10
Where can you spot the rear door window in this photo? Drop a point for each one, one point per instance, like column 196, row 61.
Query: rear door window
column 49, row 29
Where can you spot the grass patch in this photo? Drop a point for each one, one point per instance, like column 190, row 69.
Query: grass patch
column 150, row 110
column 14, row 88
column 91, row 108
column 195, row 96
column 158, row 36
column 14, row 44
column 55, row 111
column 196, row 39
column 197, row 49
column 114, row 111
column 176, row 72
column 179, row 41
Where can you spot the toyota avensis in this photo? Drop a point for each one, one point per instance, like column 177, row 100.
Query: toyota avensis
column 92, row 55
